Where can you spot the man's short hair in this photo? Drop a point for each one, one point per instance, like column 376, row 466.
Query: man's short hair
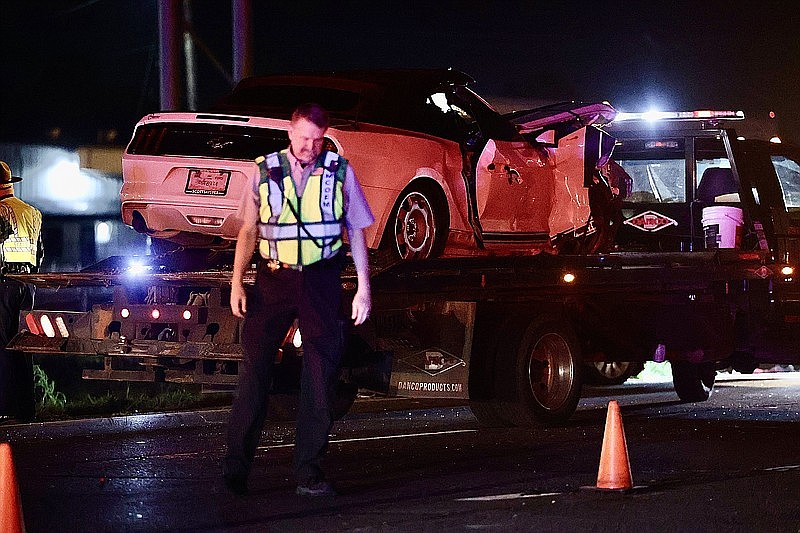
column 314, row 113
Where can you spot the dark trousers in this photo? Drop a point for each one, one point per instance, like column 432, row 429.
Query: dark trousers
column 314, row 296
column 16, row 368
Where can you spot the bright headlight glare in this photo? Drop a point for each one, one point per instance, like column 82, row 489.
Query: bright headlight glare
column 297, row 339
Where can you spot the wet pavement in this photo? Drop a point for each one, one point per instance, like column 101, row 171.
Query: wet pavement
column 731, row 464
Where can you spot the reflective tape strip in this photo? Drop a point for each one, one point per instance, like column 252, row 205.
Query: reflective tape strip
column 318, row 230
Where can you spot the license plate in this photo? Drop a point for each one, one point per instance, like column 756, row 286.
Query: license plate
column 207, row 181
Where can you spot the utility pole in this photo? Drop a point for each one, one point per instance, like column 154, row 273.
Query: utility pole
column 242, row 39
column 169, row 27
column 178, row 41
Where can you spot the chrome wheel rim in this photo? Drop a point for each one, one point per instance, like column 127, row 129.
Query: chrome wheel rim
column 415, row 227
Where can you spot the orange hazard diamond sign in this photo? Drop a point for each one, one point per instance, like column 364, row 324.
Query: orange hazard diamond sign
column 650, row 221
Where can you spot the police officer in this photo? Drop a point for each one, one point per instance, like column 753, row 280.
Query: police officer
column 296, row 209
column 21, row 252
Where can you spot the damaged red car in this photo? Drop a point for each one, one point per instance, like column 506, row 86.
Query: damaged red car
column 444, row 173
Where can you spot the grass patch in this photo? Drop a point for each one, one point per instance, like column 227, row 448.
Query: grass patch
column 87, row 399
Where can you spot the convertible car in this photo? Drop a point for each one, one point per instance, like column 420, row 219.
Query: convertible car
column 444, row 173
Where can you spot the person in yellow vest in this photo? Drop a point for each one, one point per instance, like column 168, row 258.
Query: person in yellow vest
column 300, row 203
column 21, row 251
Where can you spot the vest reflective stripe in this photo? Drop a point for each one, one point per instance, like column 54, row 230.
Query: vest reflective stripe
column 21, row 224
column 318, row 232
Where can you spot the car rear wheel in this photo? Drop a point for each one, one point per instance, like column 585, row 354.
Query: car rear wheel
column 418, row 224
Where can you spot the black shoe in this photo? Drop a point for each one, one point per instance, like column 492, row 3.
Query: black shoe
column 313, row 489
column 236, row 483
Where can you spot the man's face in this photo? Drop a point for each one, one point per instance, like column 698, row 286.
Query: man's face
column 306, row 139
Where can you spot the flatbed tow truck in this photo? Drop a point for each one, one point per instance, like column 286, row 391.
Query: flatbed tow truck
column 509, row 334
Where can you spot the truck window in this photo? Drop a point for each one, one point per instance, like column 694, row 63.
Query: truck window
column 789, row 178
column 658, row 169
column 715, row 181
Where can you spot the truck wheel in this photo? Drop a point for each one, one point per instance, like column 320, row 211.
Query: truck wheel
column 610, row 372
column 548, row 374
column 693, row 381
column 417, row 227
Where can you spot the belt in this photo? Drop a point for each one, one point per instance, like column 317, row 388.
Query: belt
column 274, row 264
column 16, row 268
column 334, row 261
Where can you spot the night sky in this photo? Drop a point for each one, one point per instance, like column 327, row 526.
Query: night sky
column 92, row 65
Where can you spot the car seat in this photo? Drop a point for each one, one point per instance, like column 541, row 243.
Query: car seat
column 715, row 182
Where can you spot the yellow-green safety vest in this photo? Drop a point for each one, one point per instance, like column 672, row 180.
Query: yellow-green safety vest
column 301, row 230
column 20, row 229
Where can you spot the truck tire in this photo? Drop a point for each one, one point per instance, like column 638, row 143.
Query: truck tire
column 693, row 382
column 548, row 375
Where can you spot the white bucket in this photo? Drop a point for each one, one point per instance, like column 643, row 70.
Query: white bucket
column 723, row 226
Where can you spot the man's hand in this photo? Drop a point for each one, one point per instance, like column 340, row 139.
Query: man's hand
column 362, row 301
column 238, row 300
column 362, row 305
column 245, row 244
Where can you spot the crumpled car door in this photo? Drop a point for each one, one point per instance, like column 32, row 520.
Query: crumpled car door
column 513, row 188
column 576, row 148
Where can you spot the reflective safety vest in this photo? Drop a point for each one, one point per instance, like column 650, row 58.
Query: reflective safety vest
column 20, row 230
column 301, row 230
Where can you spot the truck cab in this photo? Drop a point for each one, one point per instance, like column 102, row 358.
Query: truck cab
column 679, row 164
column 686, row 166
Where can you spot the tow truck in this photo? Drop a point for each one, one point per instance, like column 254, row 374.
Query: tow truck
column 509, row 334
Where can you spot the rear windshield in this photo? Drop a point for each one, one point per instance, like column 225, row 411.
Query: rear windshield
column 658, row 169
column 219, row 141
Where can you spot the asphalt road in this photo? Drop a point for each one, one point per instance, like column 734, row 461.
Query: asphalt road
column 729, row 464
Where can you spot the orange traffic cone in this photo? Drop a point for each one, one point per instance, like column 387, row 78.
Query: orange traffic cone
column 10, row 504
column 615, row 468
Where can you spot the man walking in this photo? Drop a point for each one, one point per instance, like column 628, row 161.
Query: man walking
column 299, row 205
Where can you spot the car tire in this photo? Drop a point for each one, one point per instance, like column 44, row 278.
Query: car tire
column 418, row 225
column 693, row 382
